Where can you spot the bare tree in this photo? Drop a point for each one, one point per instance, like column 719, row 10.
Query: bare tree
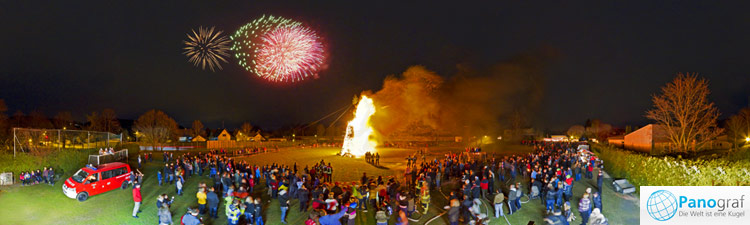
column 197, row 129
column 37, row 119
column 246, row 128
column 109, row 121
column 155, row 127
column 63, row 119
column 517, row 122
column 576, row 131
column 689, row 117
column 18, row 119
column 95, row 122
column 245, row 132
column 4, row 124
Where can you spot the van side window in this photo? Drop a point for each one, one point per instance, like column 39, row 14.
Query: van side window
column 93, row 177
column 122, row 171
column 107, row 174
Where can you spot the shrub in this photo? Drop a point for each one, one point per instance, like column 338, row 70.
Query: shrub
column 643, row 170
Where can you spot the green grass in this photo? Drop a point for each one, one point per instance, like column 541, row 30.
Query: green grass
column 43, row 204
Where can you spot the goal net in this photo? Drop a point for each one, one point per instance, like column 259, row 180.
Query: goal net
column 39, row 141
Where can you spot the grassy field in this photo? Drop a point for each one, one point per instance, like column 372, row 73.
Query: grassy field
column 44, row 204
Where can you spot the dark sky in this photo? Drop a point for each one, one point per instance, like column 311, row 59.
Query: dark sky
column 70, row 55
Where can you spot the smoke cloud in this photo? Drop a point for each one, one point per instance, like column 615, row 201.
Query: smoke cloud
column 472, row 102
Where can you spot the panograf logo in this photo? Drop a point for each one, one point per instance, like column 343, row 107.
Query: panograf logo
column 661, row 205
column 694, row 205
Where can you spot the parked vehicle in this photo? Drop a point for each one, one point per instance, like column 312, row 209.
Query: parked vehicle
column 90, row 181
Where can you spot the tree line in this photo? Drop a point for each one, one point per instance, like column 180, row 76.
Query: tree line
column 691, row 119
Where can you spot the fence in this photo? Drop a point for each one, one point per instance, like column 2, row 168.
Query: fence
column 44, row 140
column 108, row 158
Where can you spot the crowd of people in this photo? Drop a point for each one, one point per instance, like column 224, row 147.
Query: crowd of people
column 44, row 176
column 372, row 158
column 548, row 174
column 106, row 151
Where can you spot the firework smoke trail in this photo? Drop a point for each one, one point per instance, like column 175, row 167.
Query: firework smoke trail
column 206, row 48
column 289, row 54
column 247, row 38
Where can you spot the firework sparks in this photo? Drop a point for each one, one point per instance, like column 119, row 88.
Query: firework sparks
column 247, row 38
column 289, row 54
column 207, row 47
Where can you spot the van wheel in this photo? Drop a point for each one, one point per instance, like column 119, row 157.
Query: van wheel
column 124, row 185
column 82, row 196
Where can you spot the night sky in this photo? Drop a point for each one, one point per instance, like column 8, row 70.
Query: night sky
column 613, row 55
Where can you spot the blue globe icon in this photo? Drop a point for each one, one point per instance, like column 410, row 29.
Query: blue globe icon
column 661, row 205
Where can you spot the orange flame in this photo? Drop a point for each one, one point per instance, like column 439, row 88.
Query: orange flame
column 359, row 131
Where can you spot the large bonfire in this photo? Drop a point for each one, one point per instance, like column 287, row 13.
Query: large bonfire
column 358, row 139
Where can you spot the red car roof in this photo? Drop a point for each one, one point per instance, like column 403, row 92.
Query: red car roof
column 106, row 166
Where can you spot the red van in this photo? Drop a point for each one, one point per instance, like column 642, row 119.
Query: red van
column 89, row 181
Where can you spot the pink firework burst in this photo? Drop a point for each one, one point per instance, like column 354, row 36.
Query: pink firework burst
column 289, row 54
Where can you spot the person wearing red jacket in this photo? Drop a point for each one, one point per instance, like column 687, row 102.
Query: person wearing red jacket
column 484, row 185
column 137, row 200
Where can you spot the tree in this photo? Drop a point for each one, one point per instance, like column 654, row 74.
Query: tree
column 18, row 119
column 576, row 131
column 197, row 129
column 63, row 120
column 684, row 109
column 109, row 121
column 517, row 122
column 155, row 127
column 37, row 119
column 4, row 124
column 95, row 122
column 246, row 128
column 739, row 126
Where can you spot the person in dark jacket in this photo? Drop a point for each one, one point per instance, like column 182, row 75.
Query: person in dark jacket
column 249, row 210
column 550, row 203
column 225, row 183
column 284, row 204
column 475, row 191
column 258, row 214
column 304, row 197
column 212, row 200
column 466, row 205
column 556, row 218
column 599, row 180
column 453, row 212
column 597, row 200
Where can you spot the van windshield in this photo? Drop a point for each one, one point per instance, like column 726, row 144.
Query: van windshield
column 80, row 176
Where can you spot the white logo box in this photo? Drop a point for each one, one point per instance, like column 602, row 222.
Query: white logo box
column 735, row 201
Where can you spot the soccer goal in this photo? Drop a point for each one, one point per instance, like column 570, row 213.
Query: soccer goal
column 29, row 140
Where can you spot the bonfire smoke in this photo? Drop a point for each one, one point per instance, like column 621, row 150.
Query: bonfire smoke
column 504, row 96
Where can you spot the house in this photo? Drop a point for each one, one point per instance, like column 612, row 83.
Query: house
column 650, row 138
column 618, row 141
column 198, row 139
column 224, row 136
column 258, row 137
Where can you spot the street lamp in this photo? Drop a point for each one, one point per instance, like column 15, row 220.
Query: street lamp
column 747, row 139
